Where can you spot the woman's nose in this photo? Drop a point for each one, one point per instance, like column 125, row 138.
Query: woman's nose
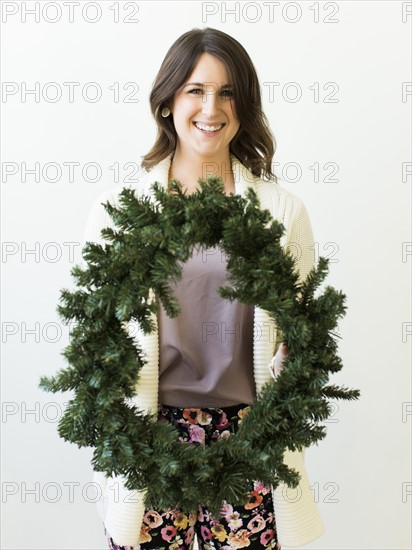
column 210, row 103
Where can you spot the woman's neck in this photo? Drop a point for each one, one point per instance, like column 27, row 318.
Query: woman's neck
column 187, row 172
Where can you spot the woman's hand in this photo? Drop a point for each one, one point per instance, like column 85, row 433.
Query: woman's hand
column 276, row 364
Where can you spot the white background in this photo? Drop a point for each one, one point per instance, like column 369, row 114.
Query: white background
column 361, row 471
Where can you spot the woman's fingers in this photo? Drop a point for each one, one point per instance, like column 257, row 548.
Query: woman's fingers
column 279, row 357
column 276, row 364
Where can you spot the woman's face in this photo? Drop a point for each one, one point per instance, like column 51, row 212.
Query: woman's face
column 209, row 101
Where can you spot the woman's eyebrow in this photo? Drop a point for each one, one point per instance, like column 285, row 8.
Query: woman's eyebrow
column 206, row 83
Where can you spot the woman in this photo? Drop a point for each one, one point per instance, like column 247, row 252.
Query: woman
column 206, row 366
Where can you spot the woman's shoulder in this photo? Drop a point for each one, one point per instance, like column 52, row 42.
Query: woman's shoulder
column 272, row 195
column 280, row 201
column 98, row 217
column 112, row 195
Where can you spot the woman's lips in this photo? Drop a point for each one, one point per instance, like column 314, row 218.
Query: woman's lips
column 208, row 132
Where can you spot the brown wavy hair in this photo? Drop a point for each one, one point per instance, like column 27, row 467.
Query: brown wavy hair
column 254, row 144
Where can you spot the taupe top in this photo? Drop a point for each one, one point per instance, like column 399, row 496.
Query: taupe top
column 206, row 352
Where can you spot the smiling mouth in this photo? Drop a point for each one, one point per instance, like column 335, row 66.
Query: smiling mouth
column 209, row 129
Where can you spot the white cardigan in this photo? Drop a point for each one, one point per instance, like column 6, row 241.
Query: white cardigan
column 297, row 517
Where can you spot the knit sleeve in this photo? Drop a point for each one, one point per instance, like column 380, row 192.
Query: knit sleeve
column 120, row 509
column 301, row 242
column 298, row 520
column 297, row 515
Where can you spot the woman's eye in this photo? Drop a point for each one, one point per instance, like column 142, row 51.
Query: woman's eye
column 225, row 93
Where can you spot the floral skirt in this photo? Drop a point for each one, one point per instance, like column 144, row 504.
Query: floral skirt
column 251, row 525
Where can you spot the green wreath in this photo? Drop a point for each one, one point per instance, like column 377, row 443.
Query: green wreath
column 152, row 244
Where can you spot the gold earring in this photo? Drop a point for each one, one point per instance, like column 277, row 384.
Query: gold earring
column 165, row 112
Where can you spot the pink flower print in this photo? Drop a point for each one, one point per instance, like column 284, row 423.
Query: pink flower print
column 168, row 533
column 235, row 521
column 153, row 519
column 205, row 532
column 261, row 488
column 224, row 422
column 189, row 535
column 267, row 536
column 226, row 510
column 256, row 524
column 270, row 518
column 170, row 513
column 197, row 434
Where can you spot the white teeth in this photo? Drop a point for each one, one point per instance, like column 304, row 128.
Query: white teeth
column 208, row 128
